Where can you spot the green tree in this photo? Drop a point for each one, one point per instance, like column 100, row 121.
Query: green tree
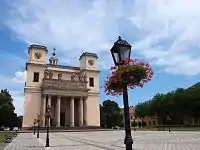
column 20, row 119
column 8, row 117
column 181, row 105
column 110, row 114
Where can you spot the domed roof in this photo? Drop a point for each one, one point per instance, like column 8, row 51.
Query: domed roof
column 53, row 57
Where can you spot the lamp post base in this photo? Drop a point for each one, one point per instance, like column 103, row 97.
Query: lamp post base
column 128, row 141
column 47, row 142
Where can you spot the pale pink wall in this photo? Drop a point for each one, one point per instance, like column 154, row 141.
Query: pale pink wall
column 32, row 108
column 93, row 111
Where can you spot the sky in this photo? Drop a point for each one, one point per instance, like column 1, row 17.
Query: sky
column 164, row 33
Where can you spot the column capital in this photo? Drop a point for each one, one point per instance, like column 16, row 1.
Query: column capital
column 72, row 97
column 85, row 98
column 59, row 96
column 44, row 95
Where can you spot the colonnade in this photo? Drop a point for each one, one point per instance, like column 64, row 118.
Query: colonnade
column 82, row 110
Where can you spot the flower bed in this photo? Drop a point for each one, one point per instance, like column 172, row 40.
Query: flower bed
column 130, row 74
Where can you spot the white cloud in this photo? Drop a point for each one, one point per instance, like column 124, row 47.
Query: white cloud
column 172, row 34
column 18, row 101
column 166, row 33
column 16, row 91
column 20, row 77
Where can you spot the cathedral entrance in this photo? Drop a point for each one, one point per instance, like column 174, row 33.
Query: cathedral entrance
column 62, row 119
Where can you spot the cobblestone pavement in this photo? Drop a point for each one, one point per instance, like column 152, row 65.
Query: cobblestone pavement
column 108, row 140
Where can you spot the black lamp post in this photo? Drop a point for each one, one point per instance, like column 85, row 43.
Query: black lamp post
column 169, row 122
column 38, row 126
column 34, row 122
column 134, row 125
column 48, row 115
column 120, row 51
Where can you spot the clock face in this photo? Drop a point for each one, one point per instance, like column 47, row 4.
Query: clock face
column 91, row 62
column 38, row 55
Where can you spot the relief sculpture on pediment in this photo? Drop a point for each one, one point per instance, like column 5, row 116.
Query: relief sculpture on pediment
column 59, row 76
column 73, row 75
column 46, row 74
column 50, row 75
column 85, row 77
column 80, row 77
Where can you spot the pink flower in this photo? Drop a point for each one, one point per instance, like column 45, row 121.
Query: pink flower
column 141, row 85
column 127, row 70
column 131, row 77
column 114, row 73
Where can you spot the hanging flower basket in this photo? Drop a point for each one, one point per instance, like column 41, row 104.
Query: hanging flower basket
column 130, row 74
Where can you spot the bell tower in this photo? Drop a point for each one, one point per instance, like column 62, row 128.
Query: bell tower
column 35, row 68
column 37, row 54
column 88, row 61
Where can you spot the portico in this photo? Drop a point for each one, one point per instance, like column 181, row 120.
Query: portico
column 66, row 110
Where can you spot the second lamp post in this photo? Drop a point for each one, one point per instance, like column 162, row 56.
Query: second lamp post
column 169, row 123
column 38, row 125
column 34, row 122
column 48, row 115
column 120, row 51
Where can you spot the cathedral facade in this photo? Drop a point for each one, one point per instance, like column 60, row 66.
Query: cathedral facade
column 72, row 93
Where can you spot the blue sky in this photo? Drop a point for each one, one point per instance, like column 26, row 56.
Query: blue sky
column 166, row 34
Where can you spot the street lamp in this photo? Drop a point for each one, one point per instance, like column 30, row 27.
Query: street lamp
column 169, row 122
column 120, row 51
column 34, row 122
column 38, row 125
column 48, row 115
column 134, row 125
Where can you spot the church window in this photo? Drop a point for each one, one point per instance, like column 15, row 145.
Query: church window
column 91, row 81
column 36, row 77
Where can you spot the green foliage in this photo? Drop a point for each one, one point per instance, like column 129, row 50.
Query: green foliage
column 134, row 124
column 8, row 117
column 181, row 105
column 110, row 114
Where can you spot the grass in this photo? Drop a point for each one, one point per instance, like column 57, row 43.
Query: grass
column 172, row 129
column 2, row 135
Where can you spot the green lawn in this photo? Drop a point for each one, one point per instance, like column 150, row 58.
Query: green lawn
column 2, row 135
column 172, row 129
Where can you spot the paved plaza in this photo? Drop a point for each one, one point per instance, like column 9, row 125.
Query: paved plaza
column 108, row 140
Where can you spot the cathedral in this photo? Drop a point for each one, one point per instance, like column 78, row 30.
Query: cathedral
column 72, row 93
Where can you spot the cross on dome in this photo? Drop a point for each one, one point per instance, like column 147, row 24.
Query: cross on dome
column 53, row 60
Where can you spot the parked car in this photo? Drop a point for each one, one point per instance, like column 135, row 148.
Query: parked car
column 116, row 127
column 15, row 129
column 6, row 129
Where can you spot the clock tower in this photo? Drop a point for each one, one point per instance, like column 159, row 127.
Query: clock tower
column 38, row 54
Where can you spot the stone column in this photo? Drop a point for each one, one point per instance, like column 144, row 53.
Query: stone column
column 80, row 110
column 49, row 104
column 85, row 111
column 44, row 109
column 58, row 112
column 72, row 112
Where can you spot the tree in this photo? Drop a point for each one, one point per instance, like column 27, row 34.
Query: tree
column 110, row 114
column 8, row 117
column 182, row 105
column 20, row 118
